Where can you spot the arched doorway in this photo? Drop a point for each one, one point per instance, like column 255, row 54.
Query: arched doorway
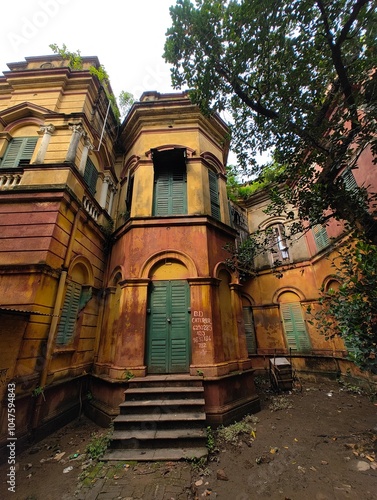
column 168, row 346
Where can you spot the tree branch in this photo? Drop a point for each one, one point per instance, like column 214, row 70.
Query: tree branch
column 346, row 28
column 266, row 112
column 336, row 55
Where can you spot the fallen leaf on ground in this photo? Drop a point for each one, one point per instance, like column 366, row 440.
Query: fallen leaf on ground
column 221, row 475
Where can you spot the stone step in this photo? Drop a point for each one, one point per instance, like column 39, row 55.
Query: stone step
column 157, row 406
column 162, row 454
column 162, row 418
column 160, row 438
column 164, row 402
column 138, row 393
column 162, row 381
column 153, row 419
column 159, row 434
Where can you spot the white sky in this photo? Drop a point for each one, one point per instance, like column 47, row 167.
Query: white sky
column 127, row 36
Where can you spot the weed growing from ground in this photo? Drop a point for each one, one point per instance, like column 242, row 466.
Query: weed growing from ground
column 368, row 391
column 199, row 466
column 211, row 440
column 280, row 403
column 98, row 444
column 231, row 433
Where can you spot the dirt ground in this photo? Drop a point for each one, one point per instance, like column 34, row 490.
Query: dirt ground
column 319, row 444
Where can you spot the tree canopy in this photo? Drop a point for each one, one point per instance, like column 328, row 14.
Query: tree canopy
column 298, row 78
column 350, row 310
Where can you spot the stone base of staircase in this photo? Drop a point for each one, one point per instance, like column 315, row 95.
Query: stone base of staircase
column 151, row 455
column 162, row 418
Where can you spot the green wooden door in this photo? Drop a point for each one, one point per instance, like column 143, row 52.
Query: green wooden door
column 294, row 326
column 168, row 345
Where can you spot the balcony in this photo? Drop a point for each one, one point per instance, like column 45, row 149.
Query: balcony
column 9, row 180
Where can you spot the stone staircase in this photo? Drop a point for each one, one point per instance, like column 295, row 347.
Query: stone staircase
column 162, row 418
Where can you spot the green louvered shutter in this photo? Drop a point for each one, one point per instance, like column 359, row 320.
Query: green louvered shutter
column 170, row 193
column 69, row 313
column 19, row 152
column 157, row 331
column 320, row 236
column 350, row 181
column 178, row 193
column 249, row 330
column 214, row 195
column 294, row 327
column 161, row 194
column 91, row 176
column 179, row 343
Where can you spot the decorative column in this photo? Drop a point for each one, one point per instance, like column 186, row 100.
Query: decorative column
column 47, row 131
column 88, row 146
column 113, row 191
column 77, row 133
column 107, row 184
column 105, row 187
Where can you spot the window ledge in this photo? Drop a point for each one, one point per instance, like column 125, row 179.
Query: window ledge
column 63, row 350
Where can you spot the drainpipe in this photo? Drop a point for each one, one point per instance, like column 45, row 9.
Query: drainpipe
column 54, row 323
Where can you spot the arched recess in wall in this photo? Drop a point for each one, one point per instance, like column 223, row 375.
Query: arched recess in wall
column 115, row 277
column 296, row 334
column 284, row 294
column 81, row 270
column 18, row 142
column 129, row 166
column 21, row 113
column 330, row 283
column 78, row 292
column 221, row 266
column 214, row 162
column 248, row 319
column 127, row 185
column 29, row 123
column 167, row 147
column 183, row 264
column 270, row 221
column 226, row 313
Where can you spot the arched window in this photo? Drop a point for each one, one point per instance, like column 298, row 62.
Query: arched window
column 77, row 294
column 170, row 190
column 277, row 243
column 293, row 322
